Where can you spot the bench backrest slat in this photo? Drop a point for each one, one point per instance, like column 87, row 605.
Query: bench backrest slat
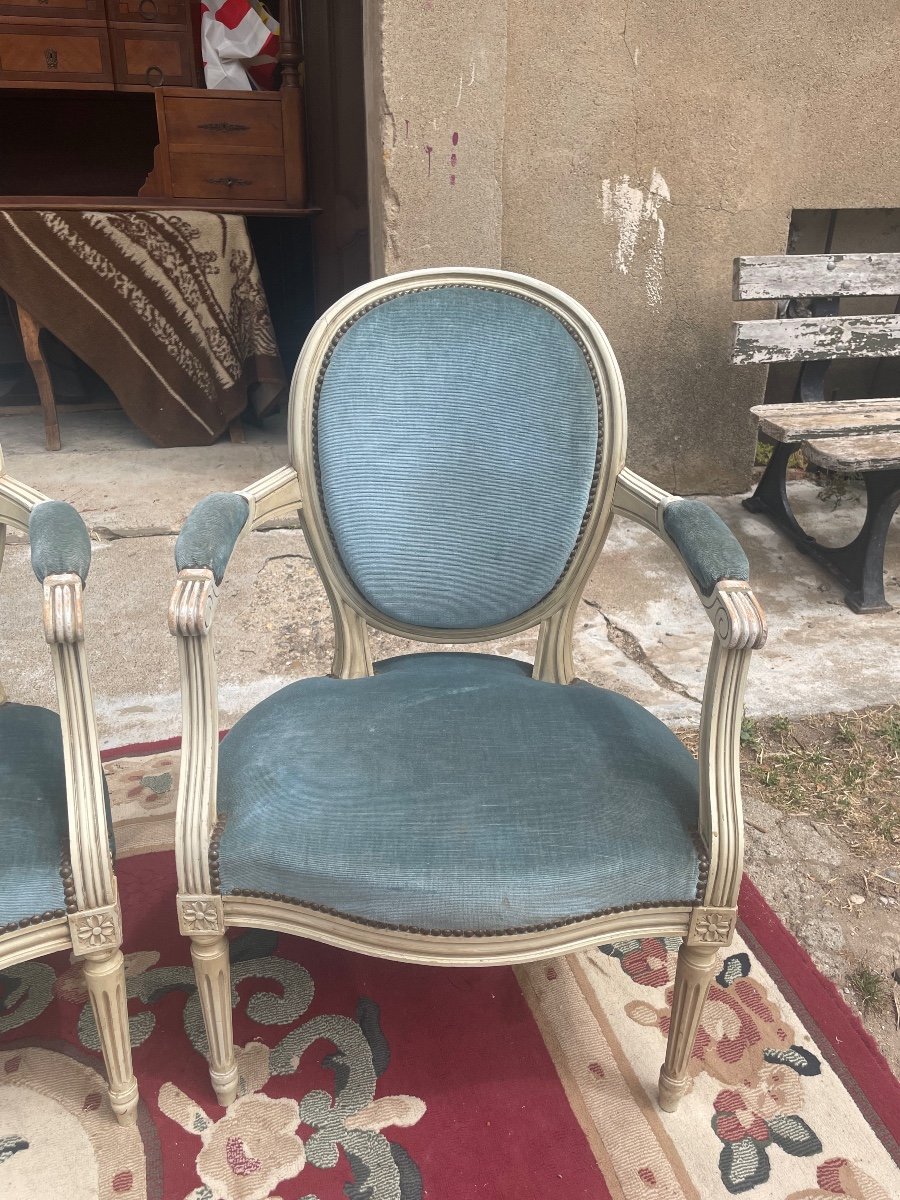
column 816, row 337
column 789, row 276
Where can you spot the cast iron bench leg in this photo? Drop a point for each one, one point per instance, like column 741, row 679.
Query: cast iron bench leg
column 861, row 562
column 771, row 495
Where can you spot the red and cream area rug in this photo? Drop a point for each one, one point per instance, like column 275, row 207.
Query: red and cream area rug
column 367, row 1080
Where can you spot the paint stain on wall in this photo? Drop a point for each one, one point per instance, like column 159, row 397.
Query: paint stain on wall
column 454, row 141
column 429, row 150
column 635, row 212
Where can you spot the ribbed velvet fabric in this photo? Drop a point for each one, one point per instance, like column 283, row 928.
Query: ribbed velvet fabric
column 33, row 819
column 457, row 441
column 209, row 534
column 454, row 792
column 60, row 542
column 710, row 550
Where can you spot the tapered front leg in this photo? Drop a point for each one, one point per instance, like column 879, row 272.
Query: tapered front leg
column 104, row 976
column 213, row 970
column 693, row 976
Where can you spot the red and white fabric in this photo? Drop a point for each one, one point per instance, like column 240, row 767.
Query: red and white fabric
column 239, row 44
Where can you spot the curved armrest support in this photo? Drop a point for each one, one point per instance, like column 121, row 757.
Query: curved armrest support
column 16, row 500
column 60, row 542
column 739, row 626
column 705, row 544
column 210, row 533
column 202, row 553
column 89, row 854
column 709, row 552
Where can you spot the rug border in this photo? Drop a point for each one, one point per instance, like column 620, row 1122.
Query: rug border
column 854, row 1054
column 862, row 1065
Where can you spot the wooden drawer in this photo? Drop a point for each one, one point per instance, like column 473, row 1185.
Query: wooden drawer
column 57, row 55
column 149, row 58
column 148, row 12
column 214, row 123
column 39, row 10
column 234, row 177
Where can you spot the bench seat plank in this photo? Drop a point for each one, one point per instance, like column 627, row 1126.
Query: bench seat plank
column 868, row 452
column 788, row 276
column 835, row 418
column 816, row 337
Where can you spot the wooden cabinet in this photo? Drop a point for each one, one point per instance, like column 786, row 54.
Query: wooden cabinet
column 185, row 147
column 51, row 54
column 123, row 45
column 85, row 10
column 149, row 58
column 242, row 149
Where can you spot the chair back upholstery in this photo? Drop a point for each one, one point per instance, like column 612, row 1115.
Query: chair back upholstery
column 452, row 430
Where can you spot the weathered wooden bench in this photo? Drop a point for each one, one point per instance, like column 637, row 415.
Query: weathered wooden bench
column 845, row 436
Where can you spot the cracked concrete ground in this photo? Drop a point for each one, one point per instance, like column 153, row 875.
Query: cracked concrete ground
column 640, row 630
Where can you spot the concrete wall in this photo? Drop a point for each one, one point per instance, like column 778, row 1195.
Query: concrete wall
column 626, row 151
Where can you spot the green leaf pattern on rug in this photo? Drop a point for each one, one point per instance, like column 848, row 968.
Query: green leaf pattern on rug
column 255, row 1145
column 25, row 991
column 742, row 1042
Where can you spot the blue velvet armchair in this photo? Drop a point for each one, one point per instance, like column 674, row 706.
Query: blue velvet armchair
column 57, row 881
column 457, row 445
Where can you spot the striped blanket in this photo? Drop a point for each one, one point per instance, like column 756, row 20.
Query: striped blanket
column 167, row 307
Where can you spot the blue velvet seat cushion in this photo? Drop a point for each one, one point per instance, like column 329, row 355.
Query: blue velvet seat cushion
column 453, row 792
column 33, row 816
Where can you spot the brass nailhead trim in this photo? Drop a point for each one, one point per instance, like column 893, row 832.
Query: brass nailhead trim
column 466, row 933
column 215, row 881
column 37, row 919
column 68, row 881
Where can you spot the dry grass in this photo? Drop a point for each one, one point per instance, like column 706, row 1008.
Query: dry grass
column 843, row 768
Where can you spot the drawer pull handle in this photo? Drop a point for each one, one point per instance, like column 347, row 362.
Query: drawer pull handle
column 51, row 58
column 230, row 181
column 148, row 10
column 158, row 76
column 224, row 127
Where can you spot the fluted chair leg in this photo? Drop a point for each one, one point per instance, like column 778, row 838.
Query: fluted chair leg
column 104, row 976
column 696, row 965
column 213, row 971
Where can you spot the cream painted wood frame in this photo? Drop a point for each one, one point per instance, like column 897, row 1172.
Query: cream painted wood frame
column 738, row 628
column 91, row 925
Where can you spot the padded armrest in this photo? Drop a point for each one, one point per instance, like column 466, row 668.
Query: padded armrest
column 60, row 542
column 709, row 549
column 210, row 533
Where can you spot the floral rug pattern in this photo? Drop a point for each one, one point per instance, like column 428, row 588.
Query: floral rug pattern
column 246, row 1153
column 366, row 1080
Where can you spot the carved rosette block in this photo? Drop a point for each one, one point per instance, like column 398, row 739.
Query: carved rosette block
column 96, row 931
column 712, row 926
column 193, row 603
column 63, row 611
column 200, row 914
column 737, row 616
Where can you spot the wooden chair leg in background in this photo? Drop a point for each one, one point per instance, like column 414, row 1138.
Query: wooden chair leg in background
column 213, row 971
column 104, row 976
column 694, row 974
column 31, row 340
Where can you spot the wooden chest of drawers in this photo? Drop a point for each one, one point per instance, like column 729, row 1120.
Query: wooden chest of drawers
column 120, row 45
column 55, row 54
column 242, row 148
